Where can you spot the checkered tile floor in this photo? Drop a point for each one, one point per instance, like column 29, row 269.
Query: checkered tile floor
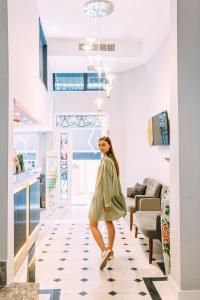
column 67, row 260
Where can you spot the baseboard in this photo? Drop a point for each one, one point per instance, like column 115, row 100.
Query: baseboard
column 182, row 294
column 173, row 287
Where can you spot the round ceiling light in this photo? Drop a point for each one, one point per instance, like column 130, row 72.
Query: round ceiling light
column 98, row 8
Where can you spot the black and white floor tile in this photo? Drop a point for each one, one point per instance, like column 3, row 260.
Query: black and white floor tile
column 67, row 261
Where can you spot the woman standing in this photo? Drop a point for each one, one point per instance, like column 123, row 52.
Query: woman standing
column 108, row 202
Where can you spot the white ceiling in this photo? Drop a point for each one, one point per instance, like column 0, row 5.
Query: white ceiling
column 147, row 20
column 21, row 116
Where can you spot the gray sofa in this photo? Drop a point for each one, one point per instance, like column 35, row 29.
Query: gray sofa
column 152, row 202
column 148, row 222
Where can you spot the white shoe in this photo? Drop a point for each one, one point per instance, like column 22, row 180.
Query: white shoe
column 105, row 256
column 111, row 255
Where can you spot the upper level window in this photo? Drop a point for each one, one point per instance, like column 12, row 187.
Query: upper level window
column 68, row 82
column 94, row 83
column 42, row 55
column 77, row 82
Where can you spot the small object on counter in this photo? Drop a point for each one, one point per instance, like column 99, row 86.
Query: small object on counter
column 18, row 163
column 21, row 161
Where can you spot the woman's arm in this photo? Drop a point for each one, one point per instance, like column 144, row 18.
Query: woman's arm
column 107, row 185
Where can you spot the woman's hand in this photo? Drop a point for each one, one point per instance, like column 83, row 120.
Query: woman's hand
column 107, row 209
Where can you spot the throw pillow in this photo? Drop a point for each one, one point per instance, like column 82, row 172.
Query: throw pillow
column 132, row 190
column 140, row 188
column 133, row 193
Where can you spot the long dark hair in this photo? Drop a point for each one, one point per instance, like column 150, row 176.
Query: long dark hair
column 110, row 152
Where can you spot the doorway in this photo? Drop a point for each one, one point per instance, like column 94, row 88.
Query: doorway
column 85, row 161
column 77, row 147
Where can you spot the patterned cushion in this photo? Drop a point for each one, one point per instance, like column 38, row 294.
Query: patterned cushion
column 153, row 187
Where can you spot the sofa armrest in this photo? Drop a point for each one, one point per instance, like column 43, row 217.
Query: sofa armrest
column 129, row 190
column 149, row 204
column 137, row 200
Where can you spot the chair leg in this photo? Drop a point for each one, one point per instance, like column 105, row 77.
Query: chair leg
column 131, row 219
column 150, row 250
column 136, row 232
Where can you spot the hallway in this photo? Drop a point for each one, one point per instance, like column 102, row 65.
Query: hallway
column 67, row 261
column 128, row 71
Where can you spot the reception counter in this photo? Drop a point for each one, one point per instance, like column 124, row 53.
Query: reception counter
column 26, row 213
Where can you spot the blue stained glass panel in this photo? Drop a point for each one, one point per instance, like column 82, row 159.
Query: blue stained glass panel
column 64, row 165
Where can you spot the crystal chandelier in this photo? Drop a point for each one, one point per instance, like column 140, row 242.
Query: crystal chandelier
column 98, row 8
column 99, row 101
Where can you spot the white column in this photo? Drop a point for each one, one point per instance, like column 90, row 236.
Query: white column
column 6, row 149
column 185, row 148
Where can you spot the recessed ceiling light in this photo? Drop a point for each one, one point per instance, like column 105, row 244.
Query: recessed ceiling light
column 98, row 8
column 17, row 113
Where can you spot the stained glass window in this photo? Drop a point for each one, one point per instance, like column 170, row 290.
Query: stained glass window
column 64, row 165
column 81, row 121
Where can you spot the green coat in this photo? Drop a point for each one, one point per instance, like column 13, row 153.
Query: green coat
column 107, row 193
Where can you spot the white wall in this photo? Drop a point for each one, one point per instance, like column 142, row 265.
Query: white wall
column 185, row 148
column 175, row 206
column 25, row 84
column 144, row 93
